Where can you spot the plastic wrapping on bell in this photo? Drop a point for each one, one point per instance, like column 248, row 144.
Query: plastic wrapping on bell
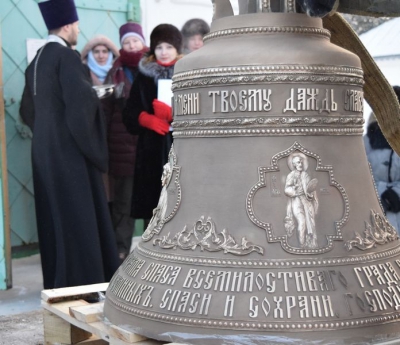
column 269, row 228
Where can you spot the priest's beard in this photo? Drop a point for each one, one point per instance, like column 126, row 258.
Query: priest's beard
column 73, row 39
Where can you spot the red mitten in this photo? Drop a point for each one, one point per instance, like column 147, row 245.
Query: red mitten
column 154, row 123
column 162, row 110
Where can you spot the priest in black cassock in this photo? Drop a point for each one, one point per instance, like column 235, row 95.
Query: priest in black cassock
column 69, row 153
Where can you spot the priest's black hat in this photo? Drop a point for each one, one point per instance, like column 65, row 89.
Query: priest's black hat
column 57, row 13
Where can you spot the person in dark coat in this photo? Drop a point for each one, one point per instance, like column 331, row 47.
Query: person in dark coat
column 385, row 166
column 150, row 118
column 69, row 152
column 98, row 55
column 122, row 144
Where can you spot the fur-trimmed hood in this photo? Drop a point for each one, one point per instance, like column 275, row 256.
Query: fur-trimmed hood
column 195, row 26
column 95, row 41
column 149, row 67
column 191, row 28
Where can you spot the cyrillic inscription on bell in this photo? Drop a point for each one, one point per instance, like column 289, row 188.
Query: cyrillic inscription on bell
column 269, row 229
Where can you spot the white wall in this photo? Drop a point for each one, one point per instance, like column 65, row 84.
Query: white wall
column 390, row 67
column 175, row 12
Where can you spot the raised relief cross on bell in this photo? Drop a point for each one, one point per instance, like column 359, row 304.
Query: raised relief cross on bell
column 268, row 229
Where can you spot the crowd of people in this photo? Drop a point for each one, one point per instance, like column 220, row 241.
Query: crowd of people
column 97, row 163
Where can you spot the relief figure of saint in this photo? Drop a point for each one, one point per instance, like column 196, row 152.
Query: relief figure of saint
column 161, row 209
column 302, row 206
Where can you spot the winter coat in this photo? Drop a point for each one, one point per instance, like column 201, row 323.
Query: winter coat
column 152, row 148
column 379, row 158
column 121, row 144
column 69, row 152
column 95, row 41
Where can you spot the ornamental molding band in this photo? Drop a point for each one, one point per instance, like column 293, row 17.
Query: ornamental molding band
column 162, row 214
column 259, row 122
column 268, row 132
column 380, row 231
column 290, row 74
column 278, row 78
column 269, row 30
column 303, row 233
column 271, row 263
column 313, row 70
column 204, row 235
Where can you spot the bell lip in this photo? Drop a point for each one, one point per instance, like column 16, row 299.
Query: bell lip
column 199, row 335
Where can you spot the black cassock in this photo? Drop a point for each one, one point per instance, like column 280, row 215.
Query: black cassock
column 69, row 152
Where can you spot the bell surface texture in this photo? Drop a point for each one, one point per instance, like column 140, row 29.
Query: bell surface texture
column 269, row 229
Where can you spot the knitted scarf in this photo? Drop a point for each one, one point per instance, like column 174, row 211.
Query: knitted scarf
column 128, row 60
column 131, row 59
column 98, row 70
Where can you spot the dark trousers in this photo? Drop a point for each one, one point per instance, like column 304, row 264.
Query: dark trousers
column 124, row 224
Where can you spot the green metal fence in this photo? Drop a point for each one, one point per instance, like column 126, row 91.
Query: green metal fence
column 21, row 20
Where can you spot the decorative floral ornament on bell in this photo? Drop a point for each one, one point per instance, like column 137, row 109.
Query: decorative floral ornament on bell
column 268, row 229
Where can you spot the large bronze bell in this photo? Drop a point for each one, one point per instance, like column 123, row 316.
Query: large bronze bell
column 268, row 229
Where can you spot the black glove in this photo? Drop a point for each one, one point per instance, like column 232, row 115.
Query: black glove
column 390, row 201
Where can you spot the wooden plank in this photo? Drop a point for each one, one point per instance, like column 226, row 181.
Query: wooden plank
column 125, row 336
column 115, row 341
column 59, row 331
column 88, row 317
column 93, row 340
column 99, row 328
column 72, row 293
column 88, row 313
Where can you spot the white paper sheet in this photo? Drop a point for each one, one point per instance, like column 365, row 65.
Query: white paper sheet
column 165, row 91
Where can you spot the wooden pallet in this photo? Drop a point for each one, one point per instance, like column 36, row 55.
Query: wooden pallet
column 69, row 319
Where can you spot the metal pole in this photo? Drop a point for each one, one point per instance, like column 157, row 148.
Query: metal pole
column 4, row 181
